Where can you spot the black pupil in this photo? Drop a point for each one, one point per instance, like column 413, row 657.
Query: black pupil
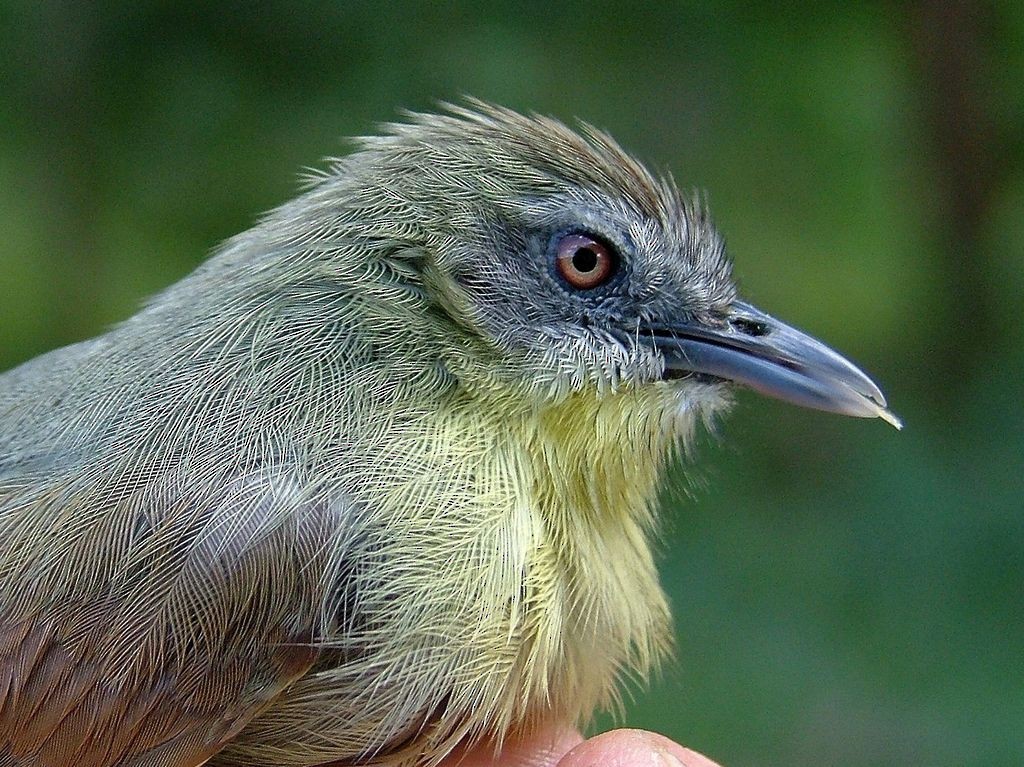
column 584, row 260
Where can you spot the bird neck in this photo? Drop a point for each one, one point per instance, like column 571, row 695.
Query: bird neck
column 596, row 459
column 591, row 473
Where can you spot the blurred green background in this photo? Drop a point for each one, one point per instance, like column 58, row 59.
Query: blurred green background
column 844, row 594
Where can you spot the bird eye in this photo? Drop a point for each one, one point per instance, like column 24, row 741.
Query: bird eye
column 584, row 262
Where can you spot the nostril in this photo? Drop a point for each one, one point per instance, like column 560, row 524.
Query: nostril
column 749, row 327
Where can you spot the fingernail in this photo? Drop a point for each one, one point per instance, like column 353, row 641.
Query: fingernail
column 663, row 758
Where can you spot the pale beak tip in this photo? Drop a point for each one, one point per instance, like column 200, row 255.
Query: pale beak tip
column 890, row 418
column 869, row 406
column 878, row 405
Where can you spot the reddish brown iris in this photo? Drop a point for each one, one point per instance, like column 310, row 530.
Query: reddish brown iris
column 584, row 262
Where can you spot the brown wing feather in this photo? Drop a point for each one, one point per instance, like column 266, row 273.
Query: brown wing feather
column 58, row 709
column 154, row 634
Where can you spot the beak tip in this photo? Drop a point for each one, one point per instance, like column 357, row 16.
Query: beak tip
column 890, row 418
column 871, row 406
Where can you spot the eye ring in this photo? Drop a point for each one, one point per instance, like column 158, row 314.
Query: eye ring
column 583, row 262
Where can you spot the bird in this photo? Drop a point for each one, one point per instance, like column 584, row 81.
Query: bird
column 380, row 477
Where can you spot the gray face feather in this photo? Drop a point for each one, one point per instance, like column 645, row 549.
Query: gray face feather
column 476, row 201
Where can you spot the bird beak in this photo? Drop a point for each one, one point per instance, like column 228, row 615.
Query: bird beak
column 756, row 350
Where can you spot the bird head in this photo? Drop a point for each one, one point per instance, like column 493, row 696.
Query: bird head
column 535, row 259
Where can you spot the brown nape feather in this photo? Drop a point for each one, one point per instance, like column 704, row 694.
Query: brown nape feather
column 371, row 481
